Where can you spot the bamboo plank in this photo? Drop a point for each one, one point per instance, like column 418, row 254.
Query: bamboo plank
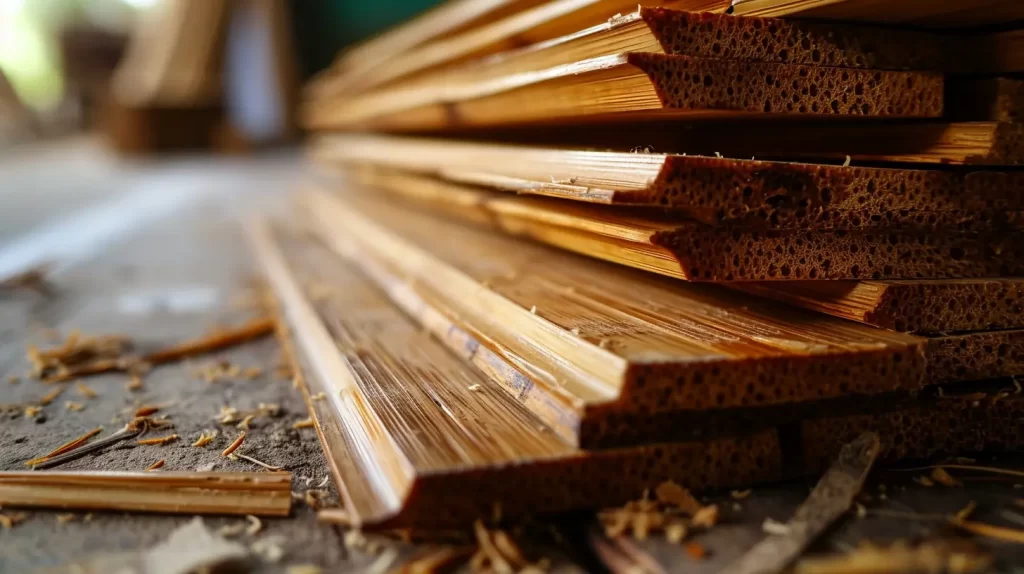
column 920, row 306
column 976, row 356
column 659, row 31
column 356, row 63
column 645, row 85
column 260, row 494
column 700, row 253
column 749, row 193
column 945, row 14
column 543, row 22
column 595, row 345
column 433, row 442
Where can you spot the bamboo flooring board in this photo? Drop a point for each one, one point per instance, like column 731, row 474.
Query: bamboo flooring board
column 660, row 31
column 742, row 193
column 422, row 439
column 636, row 342
column 643, row 85
column 696, row 252
column 541, row 23
column 917, row 306
column 959, row 424
column 355, row 64
column 976, row 356
column 748, row 193
column 944, row 14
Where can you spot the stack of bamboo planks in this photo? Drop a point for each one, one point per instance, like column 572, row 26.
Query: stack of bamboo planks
column 822, row 216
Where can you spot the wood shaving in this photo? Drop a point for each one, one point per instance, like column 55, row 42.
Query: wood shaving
column 134, row 383
column 160, row 441
column 146, row 410
column 66, row 447
column 228, row 415
column 314, row 498
column 671, row 493
column 230, row 531
column 85, row 390
column 319, row 396
column 498, row 552
column 76, row 354
column 73, row 406
column 706, row 517
column 990, row 531
column 354, row 538
column 924, row 481
column 65, row 518
column 156, row 465
column 741, row 494
column 774, row 527
column 966, row 511
column 11, row 520
column 942, row 477
column 234, row 456
column 234, row 446
column 269, row 549
column 676, row 531
column 269, row 409
column 303, row 569
column 474, row 388
column 306, row 423
column 53, row 394
column 245, row 422
column 252, row 373
column 205, row 438
column 254, row 525
column 32, row 411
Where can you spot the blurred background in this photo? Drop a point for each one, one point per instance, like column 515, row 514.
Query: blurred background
column 165, row 75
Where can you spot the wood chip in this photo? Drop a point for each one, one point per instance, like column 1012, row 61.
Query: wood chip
column 156, row 465
column 829, row 500
column 73, row 406
column 146, row 410
column 254, row 525
column 741, row 494
column 706, row 517
column 942, row 477
column 134, row 383
column 234, row 446
column 158, row 440
column 65, row 518
column 991, row 531
column 672, row 493
column 306, row 423
column 12, row 519
column 53, row 394
column 205, row 438
column 676, row 532
column 252, row 373
column 245, row 422
column 32, row 411
column 85, row 390
column 695, row 550
column 474, row 388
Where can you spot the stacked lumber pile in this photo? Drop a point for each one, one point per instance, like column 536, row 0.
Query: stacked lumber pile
column 792, row 231
column 204, row 73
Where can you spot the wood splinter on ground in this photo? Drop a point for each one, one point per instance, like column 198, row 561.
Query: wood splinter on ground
column 82, row 356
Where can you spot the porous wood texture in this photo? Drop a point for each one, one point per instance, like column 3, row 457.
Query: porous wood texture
column 945, row 14
column 428, row 441
column 542, row 23
column 696, row 252
column 613, row 339
column 761, row 39
column 635, row 85
column 713, row 190
column 945, row 426
column 976, row 356
column 985, row 99
column 919, row 306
